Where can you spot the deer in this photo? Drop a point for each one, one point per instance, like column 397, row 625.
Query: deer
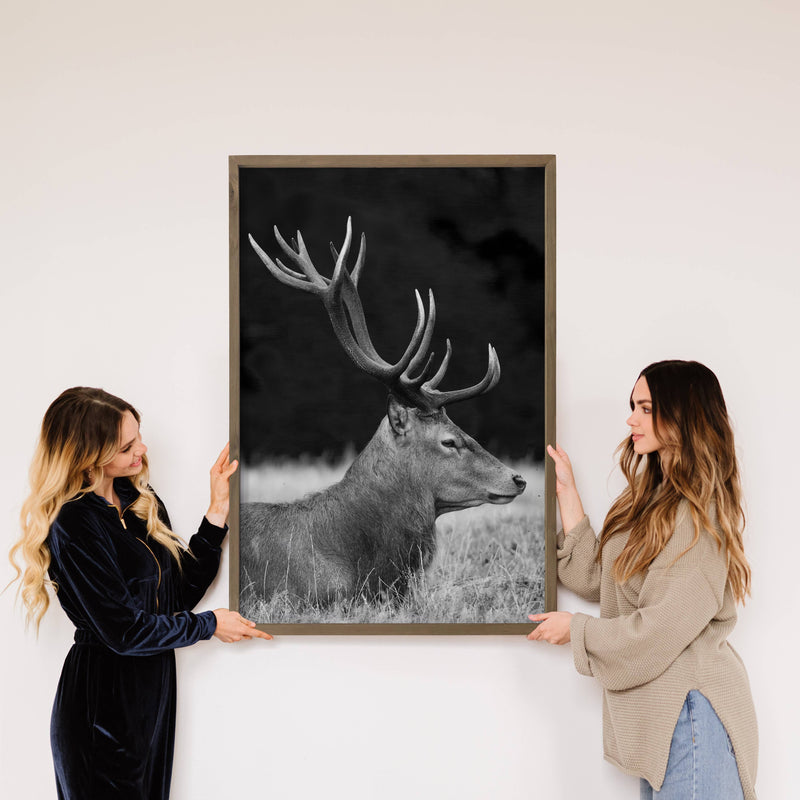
column 366, row 536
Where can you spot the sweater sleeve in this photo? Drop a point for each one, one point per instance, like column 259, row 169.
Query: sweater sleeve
column 86, row 570
column 578, row 568
column 676, row 603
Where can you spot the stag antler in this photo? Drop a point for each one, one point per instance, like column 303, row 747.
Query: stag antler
column 410, row 384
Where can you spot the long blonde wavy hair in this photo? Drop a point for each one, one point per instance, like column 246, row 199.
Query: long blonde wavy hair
column 80, row 433
column 697, row 463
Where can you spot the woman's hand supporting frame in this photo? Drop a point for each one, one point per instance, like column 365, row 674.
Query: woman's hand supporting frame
column 232, row 627
column 569, row 501
column 220, row 502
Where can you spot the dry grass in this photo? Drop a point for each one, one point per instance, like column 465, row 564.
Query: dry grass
column 488, row 568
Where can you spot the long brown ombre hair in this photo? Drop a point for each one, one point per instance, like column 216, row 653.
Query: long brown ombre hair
column 697, row 463
column 80, row 433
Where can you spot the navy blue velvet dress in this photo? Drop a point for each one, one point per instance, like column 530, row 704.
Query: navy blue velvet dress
column 113, row 724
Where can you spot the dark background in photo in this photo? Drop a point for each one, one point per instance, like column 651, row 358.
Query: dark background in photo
column 475, row 236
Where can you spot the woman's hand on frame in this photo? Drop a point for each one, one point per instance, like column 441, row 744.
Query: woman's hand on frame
column 232, row 627
column 553, row 627
column 569, row 501
column 220, row 502
column 565, row 480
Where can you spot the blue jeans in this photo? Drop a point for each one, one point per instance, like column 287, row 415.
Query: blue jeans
column 702, row 764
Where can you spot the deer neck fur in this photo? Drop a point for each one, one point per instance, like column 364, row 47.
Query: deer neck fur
column 385, row 477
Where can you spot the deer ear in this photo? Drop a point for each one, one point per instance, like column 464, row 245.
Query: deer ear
column 399, row 416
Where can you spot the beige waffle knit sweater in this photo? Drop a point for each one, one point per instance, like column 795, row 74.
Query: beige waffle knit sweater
column 658, row 637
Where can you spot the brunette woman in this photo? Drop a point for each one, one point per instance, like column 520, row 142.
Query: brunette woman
column 95, row 533
column 668, row 570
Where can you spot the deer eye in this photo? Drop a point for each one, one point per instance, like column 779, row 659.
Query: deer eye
column 449, row 443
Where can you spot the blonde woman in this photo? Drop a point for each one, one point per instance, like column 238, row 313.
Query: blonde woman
column 668, row 570
column 94, row 532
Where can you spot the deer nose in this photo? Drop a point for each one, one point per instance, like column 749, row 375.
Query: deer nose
column 520, row 482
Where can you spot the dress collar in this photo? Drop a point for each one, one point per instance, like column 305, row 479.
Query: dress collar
column 125, row 490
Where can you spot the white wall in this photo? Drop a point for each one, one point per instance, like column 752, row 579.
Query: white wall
column 676, row 130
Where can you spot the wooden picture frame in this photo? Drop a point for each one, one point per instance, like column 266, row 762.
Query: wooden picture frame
column 365, row 557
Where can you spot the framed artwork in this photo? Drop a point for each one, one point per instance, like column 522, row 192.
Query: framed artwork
column 392, row 392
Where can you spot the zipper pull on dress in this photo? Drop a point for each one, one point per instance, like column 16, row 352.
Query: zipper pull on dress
column 119, row 514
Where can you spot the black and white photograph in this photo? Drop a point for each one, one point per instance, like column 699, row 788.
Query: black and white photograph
column 391, row 332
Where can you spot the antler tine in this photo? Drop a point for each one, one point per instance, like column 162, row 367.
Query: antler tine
column 288, row 270
column 489, row 381
column 422, row 350
column 301, row 258
column 339, row 269
column 282, row 273
column 343, row 288
column 437, row 378
column 421, row 331
column 362, row 252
